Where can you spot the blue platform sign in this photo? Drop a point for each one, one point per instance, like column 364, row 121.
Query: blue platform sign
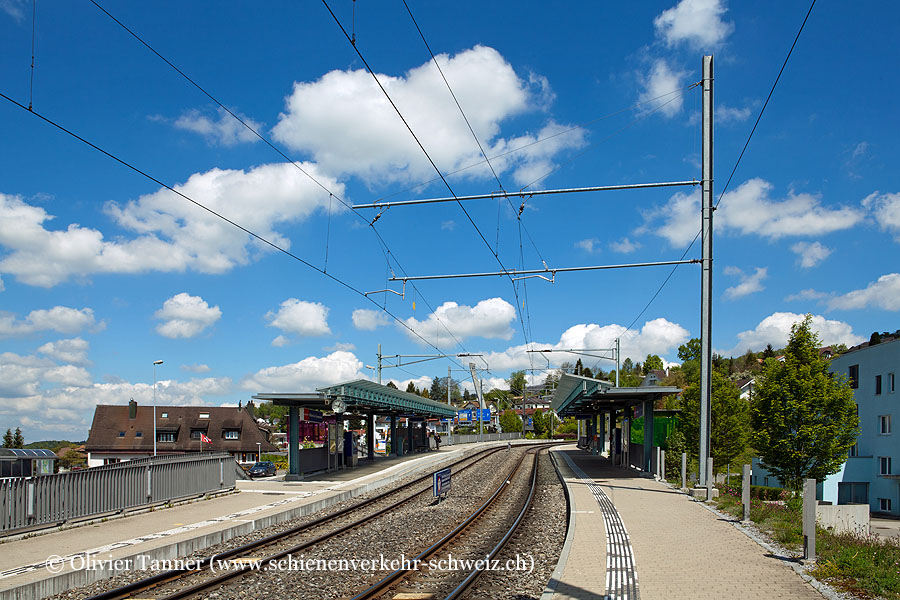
column 471, row 414
column 485, row 414
column 441, row 484
column 464, row 416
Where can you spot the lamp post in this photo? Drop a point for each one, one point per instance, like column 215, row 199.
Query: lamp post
column 155, row 362
column 258, row 451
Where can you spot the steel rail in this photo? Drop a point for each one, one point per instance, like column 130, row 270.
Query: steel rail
column 379, row 587
column 528, row 194
column 153, row 581
column 463, row 587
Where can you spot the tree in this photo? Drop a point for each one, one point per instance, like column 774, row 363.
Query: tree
column 510, row 421
column 8, row 440
column 804, row 417
column 539, row 421
column 18, row 439
column 875, row 338
column 411, row 388
column 391, row 384
column 517, row 382
column 652, row 363
column 689, row 351
column 579, row 367
column 729, row 421
column 500, row 398
column 438, row 391
column 769, row 352
column 586, row 371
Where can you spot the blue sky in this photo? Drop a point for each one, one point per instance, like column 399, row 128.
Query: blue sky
column 104, row 271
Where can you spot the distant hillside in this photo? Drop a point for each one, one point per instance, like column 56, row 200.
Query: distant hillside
column 53, row 445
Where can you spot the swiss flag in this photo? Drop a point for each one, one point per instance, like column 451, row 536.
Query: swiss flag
column 203, row 438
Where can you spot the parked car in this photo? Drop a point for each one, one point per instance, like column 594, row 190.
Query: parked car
column 262, row 469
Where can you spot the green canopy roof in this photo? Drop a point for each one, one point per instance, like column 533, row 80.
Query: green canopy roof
column 368, row 396
column 583, row 395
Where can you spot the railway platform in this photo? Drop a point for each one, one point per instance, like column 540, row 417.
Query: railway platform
column 634, row 537
column 28, row 566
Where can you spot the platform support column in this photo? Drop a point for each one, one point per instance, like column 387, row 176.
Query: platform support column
column 648, row 435
column 601, row 435
column 370, row 436
column 293, row 473
column 594, row 444
column 396, row 450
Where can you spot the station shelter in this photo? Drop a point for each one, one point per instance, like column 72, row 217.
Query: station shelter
column 359, row 398
column 606, row 414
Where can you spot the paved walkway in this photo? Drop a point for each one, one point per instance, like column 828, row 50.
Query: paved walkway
column 680, row 549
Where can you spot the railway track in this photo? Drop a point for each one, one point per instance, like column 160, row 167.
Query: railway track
column 201, row 577
column 432, row 573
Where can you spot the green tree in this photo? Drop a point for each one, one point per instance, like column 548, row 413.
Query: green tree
column 579, row 367
column 586, row 371
column 729, row 421
column 804, row 417
column 18, row 439
column 391, row 384
column 8, row 440
column 510, row 421
column 438, row 391
column 689, row 351
column 875, row 338
column 652, row 363
column 517, row 382
column 500, row 398
column 411, row 388
column 539, row 420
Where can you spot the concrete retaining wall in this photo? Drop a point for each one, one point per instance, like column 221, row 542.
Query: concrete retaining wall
column 844, row 518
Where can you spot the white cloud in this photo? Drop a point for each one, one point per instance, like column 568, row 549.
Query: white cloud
column 448, row 225
column 307, row 375
column 2, row 287
column 280, row 341
column 729, row 114
column 369, row 320
column 886, row 209
column 658, row 336
column 179, row 235
column 423, row 382
column 624, row 246
column 659, row 84
column 883, row 293
column 697, row 22
column 749, row 210
column 226, row 131
column 489, row 319
column 185, row 316
column 61, row 319
column 14, row 8
column 73, row 351
column 810, row 254
column 776, row 330
column 748, row 284
column 588, row 245
column 806, row 295
column 196, row 368
column 349, row 127
column 345, row 346
column 300, row 317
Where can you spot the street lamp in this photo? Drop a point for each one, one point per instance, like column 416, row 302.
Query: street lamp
column 155, row 362
column 258, row 451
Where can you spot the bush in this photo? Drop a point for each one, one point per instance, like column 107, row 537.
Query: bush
column 761, row 492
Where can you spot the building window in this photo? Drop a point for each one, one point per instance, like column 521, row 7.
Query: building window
column 232, row 434
column 766, row 481
column 878, row 385
column 139, row 434
column 204, row 415
column 854, row 451
column 884, row 424
column 195, row 433
column 890, row 383
column 165, row 436
column 853, row 375
column 853, row 493
column 121, row 434
column 884, row 465
column 110, row 461
column 884, row 504
column 165, row 415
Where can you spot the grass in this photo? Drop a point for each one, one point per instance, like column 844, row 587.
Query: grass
column 866, row 566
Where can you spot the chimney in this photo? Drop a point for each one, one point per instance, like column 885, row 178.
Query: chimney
column 132, row 409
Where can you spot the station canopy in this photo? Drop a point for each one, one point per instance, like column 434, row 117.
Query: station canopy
column 576, row 395
column 362, row 397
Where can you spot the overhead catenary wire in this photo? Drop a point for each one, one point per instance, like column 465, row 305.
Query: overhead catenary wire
column 218, row 215
column 382, row 243
column 428, row 157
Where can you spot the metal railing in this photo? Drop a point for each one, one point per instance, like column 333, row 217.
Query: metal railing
column 471, row 438
column 30, row 502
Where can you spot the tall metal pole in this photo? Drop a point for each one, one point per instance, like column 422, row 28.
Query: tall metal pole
column 379, row 364
column 617, row 362
column 448, row 387
column 706, row 199
column 157, row 362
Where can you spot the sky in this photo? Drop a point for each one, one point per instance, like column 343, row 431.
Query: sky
column 229, row 249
